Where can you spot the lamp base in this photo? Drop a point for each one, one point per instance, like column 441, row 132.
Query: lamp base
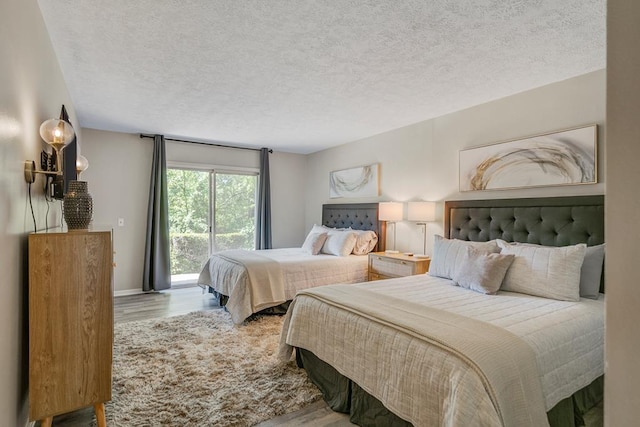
column 30, row 171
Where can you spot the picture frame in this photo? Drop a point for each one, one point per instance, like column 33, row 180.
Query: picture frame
column 361, row 181
column 565, row 157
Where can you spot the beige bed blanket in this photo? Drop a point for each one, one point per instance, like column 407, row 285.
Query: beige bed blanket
column 265, row 278
column 428, row 366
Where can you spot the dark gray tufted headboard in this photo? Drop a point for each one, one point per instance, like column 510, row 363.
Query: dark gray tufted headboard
column 359, row 216
column 552, row 221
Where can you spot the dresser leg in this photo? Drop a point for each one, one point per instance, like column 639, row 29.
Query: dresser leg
column 100, row 415
column 46, row 422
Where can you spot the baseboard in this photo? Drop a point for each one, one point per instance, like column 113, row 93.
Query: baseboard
column 127, row 292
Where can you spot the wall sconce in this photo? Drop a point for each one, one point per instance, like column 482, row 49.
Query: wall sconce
column 391, row 212
column 81, row 165
column 56, row 133
column 423, row 212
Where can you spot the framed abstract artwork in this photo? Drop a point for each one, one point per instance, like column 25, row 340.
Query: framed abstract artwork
column 360, row 181
column 564, row 157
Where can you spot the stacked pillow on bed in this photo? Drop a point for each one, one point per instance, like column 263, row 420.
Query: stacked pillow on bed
column 339, row 241
column 564, row 273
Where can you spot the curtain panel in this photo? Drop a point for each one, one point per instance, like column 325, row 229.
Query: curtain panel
column 157, row 268
column 263, row 220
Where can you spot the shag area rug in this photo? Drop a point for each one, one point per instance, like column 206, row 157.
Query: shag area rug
column 201, row 370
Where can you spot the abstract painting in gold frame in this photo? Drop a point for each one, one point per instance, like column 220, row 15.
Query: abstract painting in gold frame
column 565, row 157
column 361, row 181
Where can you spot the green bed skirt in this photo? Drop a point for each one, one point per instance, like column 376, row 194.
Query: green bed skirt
column 343, row 395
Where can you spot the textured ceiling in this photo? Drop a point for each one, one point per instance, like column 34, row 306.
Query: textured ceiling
column 303, row 75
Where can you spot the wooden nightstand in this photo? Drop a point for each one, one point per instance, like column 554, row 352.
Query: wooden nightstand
column 383, row 265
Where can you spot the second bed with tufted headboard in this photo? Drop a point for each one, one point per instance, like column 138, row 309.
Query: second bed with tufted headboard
column 400, row 351
column 358, row 216
column 248, row 282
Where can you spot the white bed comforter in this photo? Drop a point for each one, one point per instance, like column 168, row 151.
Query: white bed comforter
column 299, row 270
column 567, row 339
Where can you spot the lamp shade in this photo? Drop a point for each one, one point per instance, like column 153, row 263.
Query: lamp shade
column 421, row 211
column 81, row 164
column 390, row 211
column 57, row 133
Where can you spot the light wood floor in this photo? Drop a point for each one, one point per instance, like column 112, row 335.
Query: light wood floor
column 186, row 300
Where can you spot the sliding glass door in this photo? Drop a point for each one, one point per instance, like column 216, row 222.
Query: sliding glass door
column 209, row 211
column 234, row 210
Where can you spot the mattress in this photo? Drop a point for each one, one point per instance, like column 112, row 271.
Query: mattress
column 567, row 339
column 300, row 270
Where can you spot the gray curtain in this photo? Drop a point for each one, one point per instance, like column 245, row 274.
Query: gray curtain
column 263, row 221
column 157, row 269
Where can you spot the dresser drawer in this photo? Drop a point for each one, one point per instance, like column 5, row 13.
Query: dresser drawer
column 391, row 267
column 376, row 276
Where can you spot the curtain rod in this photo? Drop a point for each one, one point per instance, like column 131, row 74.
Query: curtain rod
column 143, row 135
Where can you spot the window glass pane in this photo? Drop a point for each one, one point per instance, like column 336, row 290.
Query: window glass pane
column 235, row 211
column 188, row 222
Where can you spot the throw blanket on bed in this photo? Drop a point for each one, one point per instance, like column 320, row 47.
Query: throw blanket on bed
column 265, row 278
column 500, row 367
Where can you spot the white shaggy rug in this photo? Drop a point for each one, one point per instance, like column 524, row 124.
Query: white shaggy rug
column 201, row 370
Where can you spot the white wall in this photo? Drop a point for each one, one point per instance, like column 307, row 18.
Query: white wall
column 118, row 177
column 118, row 180
column 287, row 199
column 420, row 162
column 32, row 90
column 622, row 371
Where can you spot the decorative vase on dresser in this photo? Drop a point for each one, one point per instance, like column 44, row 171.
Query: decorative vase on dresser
column 77, row 206
column 70, row 323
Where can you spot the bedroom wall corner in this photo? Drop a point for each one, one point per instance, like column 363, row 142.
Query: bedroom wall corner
column 406, row 151
column 118, row 177
column 118, row 180
column 33, row 90
column 287, row 198
column 420, row 161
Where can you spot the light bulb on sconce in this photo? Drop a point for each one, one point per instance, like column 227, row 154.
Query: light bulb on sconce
column 391, row 212
column 423, row 212
column 81, row 165
column 57, row 133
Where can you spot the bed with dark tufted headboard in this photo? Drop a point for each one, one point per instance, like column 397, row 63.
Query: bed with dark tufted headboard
column 359, row 216
column 235, row 277
column 550, row 221
column 555, row 221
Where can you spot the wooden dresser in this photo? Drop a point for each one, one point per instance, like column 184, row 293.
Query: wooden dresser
column 70, row 322
column 384, row 265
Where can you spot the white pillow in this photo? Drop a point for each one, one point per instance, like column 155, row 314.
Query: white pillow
column 339, row 242
column 591, row 271
column 544, row 271
column 448, row 254
column 319, row 229
column 314, row 241
column 365, row 242
column 482, row 272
